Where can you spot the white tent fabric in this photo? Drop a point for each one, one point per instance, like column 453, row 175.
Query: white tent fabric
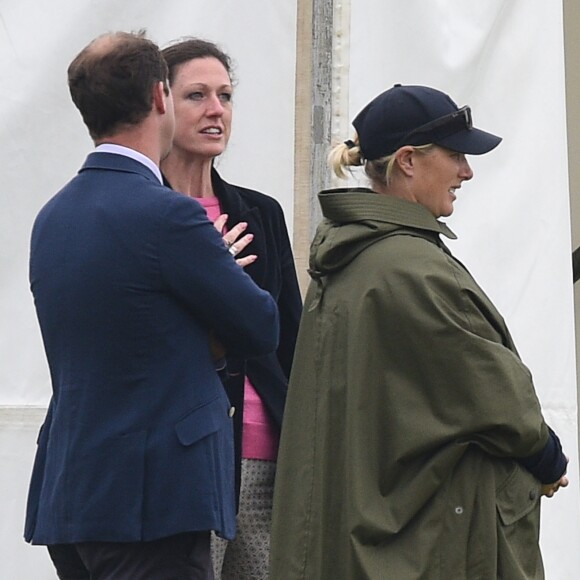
column 505, row 59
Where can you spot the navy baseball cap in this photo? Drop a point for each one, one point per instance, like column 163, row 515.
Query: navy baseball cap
column 417, row 115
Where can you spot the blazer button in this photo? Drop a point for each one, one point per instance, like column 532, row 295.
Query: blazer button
column 232, row 411
column 533, row 494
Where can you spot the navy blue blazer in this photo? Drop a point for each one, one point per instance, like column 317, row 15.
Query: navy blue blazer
column 129, row 277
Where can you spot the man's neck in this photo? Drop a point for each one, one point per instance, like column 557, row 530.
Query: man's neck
column 143, row 138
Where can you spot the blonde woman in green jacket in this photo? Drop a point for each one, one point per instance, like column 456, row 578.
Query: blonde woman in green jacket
column 413, row 443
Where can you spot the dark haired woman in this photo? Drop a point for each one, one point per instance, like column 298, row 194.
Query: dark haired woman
column 201, row 85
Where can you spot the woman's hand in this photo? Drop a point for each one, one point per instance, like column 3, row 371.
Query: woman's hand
column 549, row 489
column 235, row 245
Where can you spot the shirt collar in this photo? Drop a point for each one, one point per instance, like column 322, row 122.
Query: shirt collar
column 133, row 154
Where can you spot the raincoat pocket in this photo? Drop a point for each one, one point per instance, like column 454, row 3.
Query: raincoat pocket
column 517, row 496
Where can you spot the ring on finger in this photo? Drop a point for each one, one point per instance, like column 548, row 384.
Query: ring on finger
column 232, row 250
column 229, row 244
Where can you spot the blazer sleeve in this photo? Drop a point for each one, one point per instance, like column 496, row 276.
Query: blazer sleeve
column 197, row 267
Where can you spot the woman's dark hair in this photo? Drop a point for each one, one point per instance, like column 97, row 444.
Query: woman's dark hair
column 186, row 49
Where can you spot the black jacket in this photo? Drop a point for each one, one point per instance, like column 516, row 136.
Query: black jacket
column 275, row 272
column 576, row 264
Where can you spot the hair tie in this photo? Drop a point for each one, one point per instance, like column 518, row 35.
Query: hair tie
column 350, row 143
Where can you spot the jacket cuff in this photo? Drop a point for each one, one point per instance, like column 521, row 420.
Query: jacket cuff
column 549, row 464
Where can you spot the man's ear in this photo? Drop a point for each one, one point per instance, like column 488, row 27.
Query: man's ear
column 159, row 98
column 405, row 160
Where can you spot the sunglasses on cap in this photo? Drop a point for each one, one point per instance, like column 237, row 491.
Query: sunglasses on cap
column 443, row 126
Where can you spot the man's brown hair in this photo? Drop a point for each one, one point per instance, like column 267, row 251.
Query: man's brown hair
column 111, row 81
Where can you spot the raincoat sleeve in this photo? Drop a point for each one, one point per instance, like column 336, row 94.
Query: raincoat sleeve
column 452, row 358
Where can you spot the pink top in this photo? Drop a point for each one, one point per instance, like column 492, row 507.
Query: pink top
column 211, row 206
column 259, row 437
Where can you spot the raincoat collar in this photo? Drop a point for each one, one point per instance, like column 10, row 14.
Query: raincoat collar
column 354, row 219
column 347, row 205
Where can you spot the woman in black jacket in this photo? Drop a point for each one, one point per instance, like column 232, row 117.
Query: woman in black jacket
column 201, row 85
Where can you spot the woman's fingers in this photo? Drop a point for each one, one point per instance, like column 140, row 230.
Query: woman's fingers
column 235, row 245
column 246, row 260
column 220, row 222
column 238, row 246
column 549, row 489
column 232, row 236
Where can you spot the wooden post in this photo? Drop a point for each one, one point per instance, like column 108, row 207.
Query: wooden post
column 312, row 122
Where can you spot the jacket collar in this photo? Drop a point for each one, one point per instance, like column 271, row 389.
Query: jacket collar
column 347, row 205
column 230, row 200
column 116, row 162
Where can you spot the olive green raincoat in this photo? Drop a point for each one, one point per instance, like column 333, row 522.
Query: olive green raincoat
column 407, row 404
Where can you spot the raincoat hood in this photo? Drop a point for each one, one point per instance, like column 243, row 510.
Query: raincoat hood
column 356, row 218
column 355, row 221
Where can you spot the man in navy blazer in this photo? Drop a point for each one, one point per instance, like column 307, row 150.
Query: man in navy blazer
column 135, row 458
